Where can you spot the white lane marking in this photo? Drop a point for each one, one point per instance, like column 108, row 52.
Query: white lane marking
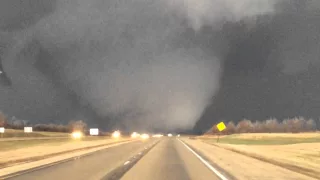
column 127, row 162
column 205, row 162
column 140, row 153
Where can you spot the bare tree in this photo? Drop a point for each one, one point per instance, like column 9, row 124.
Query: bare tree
column 231, row 128
column 18, row 124
column 258, row 127
column 310, row 125
column 272, row 125
column 209, row 132
column 212, row 130
column 294, row 125
column 298, row 124
column 3, row 120
column 287, row 125
column 244, row 126
column 77, row 126
column 51, row 128
column 62, row 128
column 318, row 124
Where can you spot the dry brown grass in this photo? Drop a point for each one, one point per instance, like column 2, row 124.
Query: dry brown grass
column 304, row 155
column 244, row 167
column 272, row 135
column 266, row 135
column 13, row 156
column 298, row 152
column 16, row 133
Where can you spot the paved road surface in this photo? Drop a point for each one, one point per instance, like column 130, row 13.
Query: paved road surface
column 169, row 160
column 164, row 159
column 94, row 166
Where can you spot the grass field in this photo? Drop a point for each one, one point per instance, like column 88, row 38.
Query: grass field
column 10, row 145
column 9, row 133
column 284, row 149
column 265, row 138
column 15, row 152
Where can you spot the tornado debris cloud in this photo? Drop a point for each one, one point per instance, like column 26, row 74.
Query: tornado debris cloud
column 146, row 64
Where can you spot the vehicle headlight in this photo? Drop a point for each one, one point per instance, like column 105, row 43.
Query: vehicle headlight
column 116, row 134
column 77, row 135
column 134, row 135
column 145, row 136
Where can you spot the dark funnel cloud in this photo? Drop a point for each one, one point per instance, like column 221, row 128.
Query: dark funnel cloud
column 119, row 64
column 158, row 64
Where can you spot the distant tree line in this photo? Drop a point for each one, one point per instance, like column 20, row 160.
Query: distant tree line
column 14, row 123
column 292, row 125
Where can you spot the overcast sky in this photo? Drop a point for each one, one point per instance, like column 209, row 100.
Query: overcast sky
column 159, row 64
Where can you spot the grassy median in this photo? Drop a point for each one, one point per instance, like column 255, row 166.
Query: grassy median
column 12, row 145
column 14, row 133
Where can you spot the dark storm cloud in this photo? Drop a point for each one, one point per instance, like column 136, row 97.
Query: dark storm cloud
column 118, row 59
column 151, row 64
column 271, row 69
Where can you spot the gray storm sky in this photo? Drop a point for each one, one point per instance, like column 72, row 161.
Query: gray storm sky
column 146, row 63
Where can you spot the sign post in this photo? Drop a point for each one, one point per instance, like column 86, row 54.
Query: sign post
column 2, row 129
column 221, row 126
column 94, row 132
column 27, row 130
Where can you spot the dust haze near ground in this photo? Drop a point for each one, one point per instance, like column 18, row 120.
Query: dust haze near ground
column 150, row 64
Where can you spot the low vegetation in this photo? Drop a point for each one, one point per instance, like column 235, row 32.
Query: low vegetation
column 264, row 139
column 294, row 125
column 17, row 133
column 40, row 130
column 268, row 132
column 10, row 145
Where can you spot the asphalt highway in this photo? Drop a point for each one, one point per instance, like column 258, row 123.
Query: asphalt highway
column 169, row 160
column 156, row 159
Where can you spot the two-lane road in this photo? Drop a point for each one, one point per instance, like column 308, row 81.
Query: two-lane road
column 164, row 158
column 93, row 166
column 169, row 160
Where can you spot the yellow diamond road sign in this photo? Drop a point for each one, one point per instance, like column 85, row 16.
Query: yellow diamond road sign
column 221, row 126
